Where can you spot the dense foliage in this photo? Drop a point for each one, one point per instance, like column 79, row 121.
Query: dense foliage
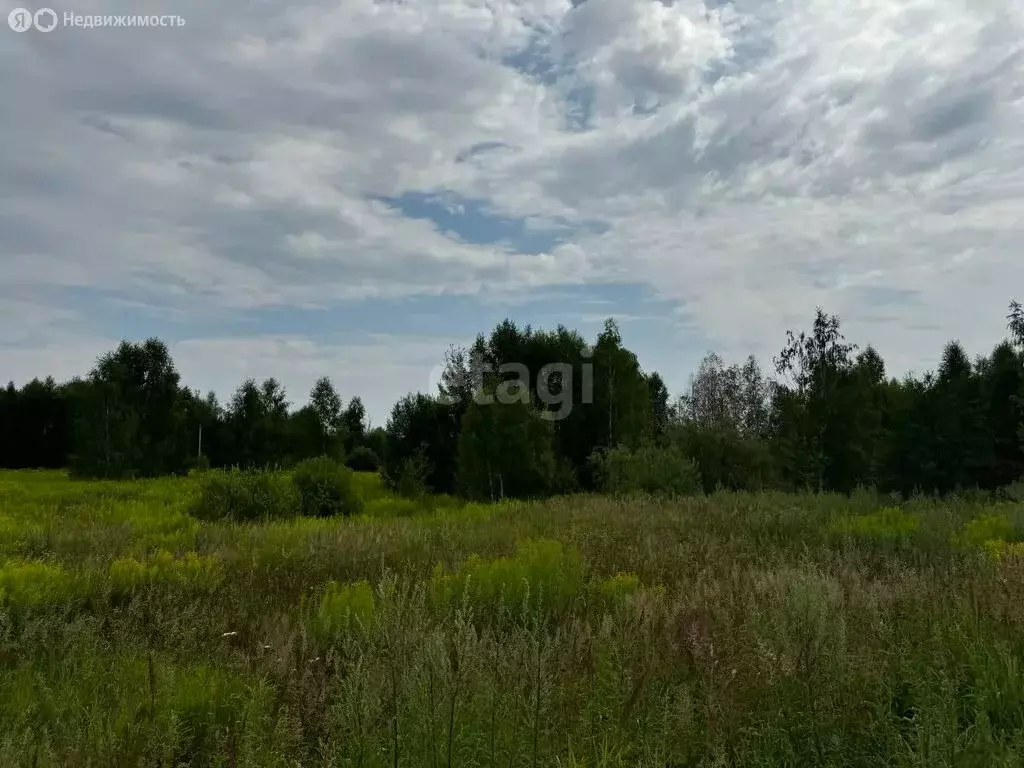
column 325, row 488
column 245, row 495
column 521, row 413
column 648, row 469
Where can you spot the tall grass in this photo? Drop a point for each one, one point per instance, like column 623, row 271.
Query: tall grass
column 734, row 629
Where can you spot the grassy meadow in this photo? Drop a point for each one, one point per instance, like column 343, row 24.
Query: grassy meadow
column 732, row 630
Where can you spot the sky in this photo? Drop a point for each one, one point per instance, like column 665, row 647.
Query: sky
column 347, row 188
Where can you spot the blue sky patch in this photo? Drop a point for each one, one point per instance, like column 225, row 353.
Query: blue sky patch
column 472, row 221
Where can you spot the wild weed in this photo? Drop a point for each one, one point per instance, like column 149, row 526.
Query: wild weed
column 188, row 572
column 34, row 583
column 783, row 630
column 982, row 530
column 541, row 575
column 344, row 607
column 888, row 523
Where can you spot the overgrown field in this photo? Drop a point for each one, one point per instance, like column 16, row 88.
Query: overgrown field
column 746, row 630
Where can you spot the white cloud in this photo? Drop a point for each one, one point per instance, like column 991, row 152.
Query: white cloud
column 644, row 55
column 380, row 369
column 747, row 160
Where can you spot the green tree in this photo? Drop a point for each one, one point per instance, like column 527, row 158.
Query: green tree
column 325, row 404
column 864, row 409
column 1015, row 322
column 421, row 430
column 353, row 421
column 258, row 423
column 961, row 443
column 306, row 439
column 9, row 457
column 37, row 415
column 755, row 394
column 715, row 398
column 622, row 402
column 1003, row 394
column 659, row 402
column 592, row 396
column 377, row 441
column 809, row 429
column 908, row 459
column 504, row 450
column 130, row 424
column 203, row 438
column 719, row 424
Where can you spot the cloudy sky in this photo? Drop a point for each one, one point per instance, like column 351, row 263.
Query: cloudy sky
column 346, row 187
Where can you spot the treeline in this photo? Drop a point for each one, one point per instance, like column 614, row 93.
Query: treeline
column 829, row 420
column 834, row 421
column 524, row 412
column 131, row 417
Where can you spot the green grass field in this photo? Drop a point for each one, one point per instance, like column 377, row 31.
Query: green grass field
column 745, row 630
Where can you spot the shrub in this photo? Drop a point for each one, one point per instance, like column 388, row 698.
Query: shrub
column 200, row 464
column 205, row 701
column 1000, row 550
column 614, row 590
column 659, row 471
column 725, row 458
column 885, row 524
column 30, row 582
column 363, row 459
column 370, row 486
column 325, row 488
column 541, row 574
column 245, row 495
column 987, row 528
column 345, row 606
column 393, row 507
column 1014, row 491
column 408, row 477
column 564, row 481
column 127, row 573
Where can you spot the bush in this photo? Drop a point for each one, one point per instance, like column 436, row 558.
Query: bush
column 1014, row 491
column 886, row 523
column 31, row 582
column 392, row 506
column 659, row 471
column 245, row 495
column 344, row 607
column 191, row 570
column 542, row 574
column 363, row 459
column 408, row 478
column 325, row 488
column 1000, row 551
column 725, row 458
column 201, row 464
column 614, row 591
column 986, row 528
